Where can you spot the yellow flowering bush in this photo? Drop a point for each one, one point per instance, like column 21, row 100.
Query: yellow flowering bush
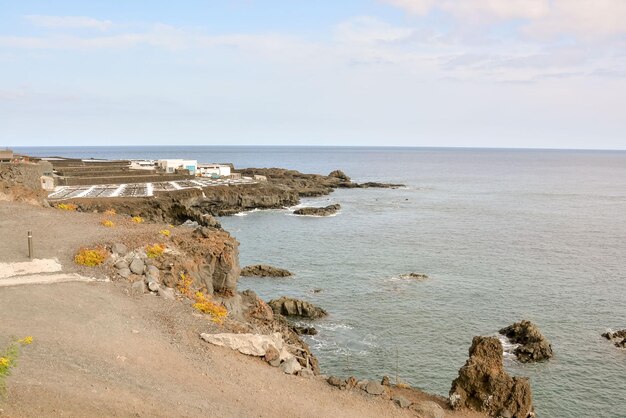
column 108, row 223
column 155, row 250
column 184, row 285
column 91, row 257
column 137, row 219
column 165, row 232
column 67, row 206
column 26, row 340
column 204, row 305
column 8, row 359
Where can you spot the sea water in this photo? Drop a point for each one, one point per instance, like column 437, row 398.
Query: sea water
column 504, row 235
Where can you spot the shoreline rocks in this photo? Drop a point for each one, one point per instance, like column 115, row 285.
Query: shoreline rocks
column 294, row 307
column 323, row 211
column 533, row 346
column 618, row 338
column 263, row 270
column 484, row 386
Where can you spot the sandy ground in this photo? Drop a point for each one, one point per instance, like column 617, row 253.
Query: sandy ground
column 99, row 351
column 59, row 234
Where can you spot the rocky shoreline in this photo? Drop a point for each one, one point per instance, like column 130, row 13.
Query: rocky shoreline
column 283, row 188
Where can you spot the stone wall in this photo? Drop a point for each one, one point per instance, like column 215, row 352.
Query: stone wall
column 23, row 181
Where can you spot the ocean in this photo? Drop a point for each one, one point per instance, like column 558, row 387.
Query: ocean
column 504, row 235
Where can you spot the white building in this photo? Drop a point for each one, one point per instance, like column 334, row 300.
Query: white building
column 170, row 166
column 214, row 170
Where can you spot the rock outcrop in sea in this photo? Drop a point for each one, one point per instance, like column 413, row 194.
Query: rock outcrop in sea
column 416, row 276
column 484, row 386
column 295, row 307
column 263, row 270
column 323, row 211
column 533, row 346
column 617, row 337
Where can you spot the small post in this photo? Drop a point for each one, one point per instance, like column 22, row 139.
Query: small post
column 30, row 245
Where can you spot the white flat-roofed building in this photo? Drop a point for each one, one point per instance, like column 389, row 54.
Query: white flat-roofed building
column 170, row 166
column 214, row 170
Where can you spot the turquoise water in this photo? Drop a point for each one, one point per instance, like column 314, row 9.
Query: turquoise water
column 504, row 235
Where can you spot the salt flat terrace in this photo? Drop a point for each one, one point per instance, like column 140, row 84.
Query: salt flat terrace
column 139, row 189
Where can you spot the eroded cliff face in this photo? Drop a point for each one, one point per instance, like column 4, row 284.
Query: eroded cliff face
column 205, row 259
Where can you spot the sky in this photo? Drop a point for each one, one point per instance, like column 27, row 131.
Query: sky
column 442, row 73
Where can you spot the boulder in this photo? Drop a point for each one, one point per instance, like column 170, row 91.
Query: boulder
column 417, row 276
column 290, row 366
column 324, row 211
column 351, row 382
column 250, row 344
column 338, row 174
column 153, row 271
column 401, row 401
column 137, row 266
column 484, row 386
column 336, row 381
column 533, row 346
column 263, row 270
column 428, row 409
column 153, row 286
column 295, row 307
column 271, row 354
column 119, row 249
column 374, row 388
column 121, row 264
column 305, row 330
column 124, row 273
column 385, row 381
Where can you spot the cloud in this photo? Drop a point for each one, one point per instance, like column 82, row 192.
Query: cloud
column 158, row 36
column 69, row 22
column 583, row 19
column 366, row 29
column 587, row 20
column 478, row 10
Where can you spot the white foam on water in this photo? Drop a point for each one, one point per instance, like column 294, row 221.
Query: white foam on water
column 333, row 327
column 508, row 348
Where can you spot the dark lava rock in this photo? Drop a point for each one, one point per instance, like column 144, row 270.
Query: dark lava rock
column 336, row 381
column 262, row 270
column 417, row 276
column 618, row 337
column 533, row 346
column 484, row 386
column 325, row 211
column 339, row 175
column 295, row 307
column 305, row 330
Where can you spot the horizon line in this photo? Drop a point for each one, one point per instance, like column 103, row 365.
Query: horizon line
column 323, row 146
